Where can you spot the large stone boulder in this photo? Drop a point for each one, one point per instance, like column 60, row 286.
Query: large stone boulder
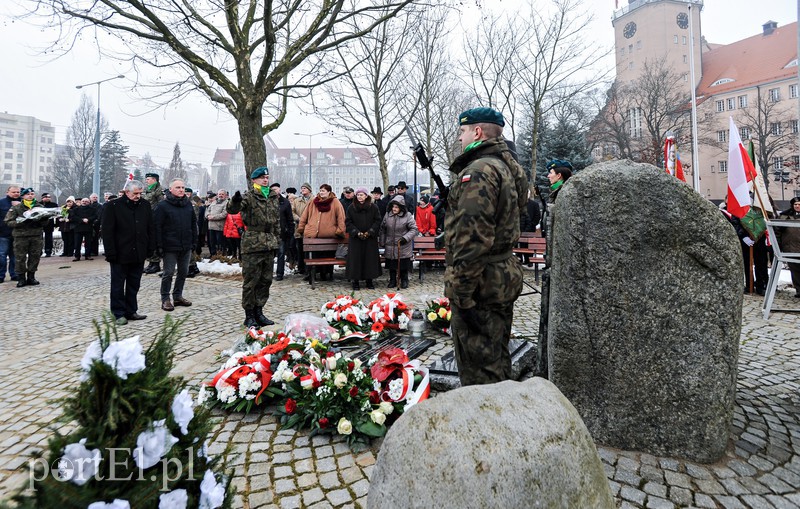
column 645, row 310
column 510, row 445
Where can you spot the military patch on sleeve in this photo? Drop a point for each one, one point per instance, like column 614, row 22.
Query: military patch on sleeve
column 466, row 178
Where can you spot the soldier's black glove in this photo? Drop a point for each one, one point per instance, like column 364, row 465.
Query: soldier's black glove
column 471, row 318
column 237, row 197
column 438, row 241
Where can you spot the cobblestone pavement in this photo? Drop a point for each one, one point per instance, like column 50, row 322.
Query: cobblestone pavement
column 46, row 330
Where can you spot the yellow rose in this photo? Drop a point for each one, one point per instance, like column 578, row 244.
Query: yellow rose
column 431, row 316
column 449, row 314
column 314, row 343
column 442, row 312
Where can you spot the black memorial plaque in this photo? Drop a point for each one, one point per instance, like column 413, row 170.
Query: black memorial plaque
column 364, row 351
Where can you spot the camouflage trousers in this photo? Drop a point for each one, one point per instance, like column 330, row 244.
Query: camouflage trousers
column 482, row 355
column 257, row 269
column 28, row 251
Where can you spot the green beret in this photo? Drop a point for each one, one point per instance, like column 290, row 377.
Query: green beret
column 261, row 170
column 188, row 190
column 481, row 116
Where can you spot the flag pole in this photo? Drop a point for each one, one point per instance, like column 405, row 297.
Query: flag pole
column 695, row 151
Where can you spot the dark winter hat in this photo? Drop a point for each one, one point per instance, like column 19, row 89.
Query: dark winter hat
column 189, row 190
column 275, row 184
column 402, row 185
column 258, row 172
column 26, row 191
column 425, row 198
column 481, row 116
column 153, row 175
column 377, row 190
column 348, row 189
column 291, row 190
column 391, row 188
column 559, row 163
column 45, row 195
column 307, row 186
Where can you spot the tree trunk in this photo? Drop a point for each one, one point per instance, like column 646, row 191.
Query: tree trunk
column 251, row 135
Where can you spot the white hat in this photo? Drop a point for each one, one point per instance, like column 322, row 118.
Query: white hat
column 71, row 198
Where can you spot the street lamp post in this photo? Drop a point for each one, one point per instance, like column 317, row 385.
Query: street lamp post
column 96, row 177
column 310, row 136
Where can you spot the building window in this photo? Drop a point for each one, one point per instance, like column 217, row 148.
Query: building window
column 622, row 51
column 731, row 103
column 720, row 106
column 793, row 125
column 683, row 39
column 675, row 39
column 638, row 44
column 792, row 91
column 9, row 144
column 722, row 136
column 630, row 65
column 635, row 115
column 19, row 167
column 777, row 163
column 8, row 166
column 795, row 161
column 685, row 59
column 775, row 128
column 744, row 132
column 775, row 94
column 685, row 77
column 723, row 166
column 743, row 101
column 9, row 155
column 21, row 136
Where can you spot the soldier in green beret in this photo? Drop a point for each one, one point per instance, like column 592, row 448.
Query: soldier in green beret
column 153, row 193
column 483, row 278
column 259, row 209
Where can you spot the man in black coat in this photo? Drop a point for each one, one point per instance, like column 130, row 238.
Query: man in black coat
column 287, row 229
column 83, row 219
column 411, row 202
column 128, row 240
column 176, row 235
column 377, row 199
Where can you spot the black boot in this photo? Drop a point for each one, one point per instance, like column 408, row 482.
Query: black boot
column 262, row 320
column 355, row 286
column 392, row 279
column 370, row 285
column 250, row 319
column 21, row 280
column 403, row 279
column 152, row 268
column 32, row 279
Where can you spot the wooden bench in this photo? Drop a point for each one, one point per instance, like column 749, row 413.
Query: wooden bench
column 531, row 246
column 424, row 250
column 312, row 248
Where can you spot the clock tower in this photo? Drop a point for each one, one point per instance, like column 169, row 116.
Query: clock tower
column 648, row 30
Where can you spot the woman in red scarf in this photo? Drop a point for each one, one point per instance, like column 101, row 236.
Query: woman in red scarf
column 323, row 218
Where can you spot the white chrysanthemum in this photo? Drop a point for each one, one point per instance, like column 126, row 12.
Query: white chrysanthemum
column 212, row 493
column 402, row 321
column 93, row 353
column 153, row 444
column 116, row 504
column 78, row 464
column 182, row 410
column 226, row 393
column 376, row 385
column 203, row 395
column 125, row 356
column 396, row 389
column 175, row 499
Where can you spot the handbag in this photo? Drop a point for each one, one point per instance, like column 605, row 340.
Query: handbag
column 342, row 250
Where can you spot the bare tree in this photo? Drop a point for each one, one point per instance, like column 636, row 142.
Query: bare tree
column 610, row 129
column 176, row 169
column 73, row 170
column 770, row 129
column 239, row 54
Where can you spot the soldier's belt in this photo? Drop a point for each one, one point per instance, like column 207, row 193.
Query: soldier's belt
column 493, row 258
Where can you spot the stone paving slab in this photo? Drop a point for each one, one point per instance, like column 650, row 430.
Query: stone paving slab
column 46, row 330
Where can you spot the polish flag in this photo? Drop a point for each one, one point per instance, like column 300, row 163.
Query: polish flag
column 672, row 159
column 740, row 172
column 130, row 176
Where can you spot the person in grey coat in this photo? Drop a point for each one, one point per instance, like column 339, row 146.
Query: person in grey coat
column 398, row 230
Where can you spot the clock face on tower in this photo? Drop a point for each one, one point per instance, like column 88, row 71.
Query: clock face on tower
column 629, row 30
column 682, row 20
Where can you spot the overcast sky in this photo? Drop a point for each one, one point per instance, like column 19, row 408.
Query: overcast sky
column 33, row 85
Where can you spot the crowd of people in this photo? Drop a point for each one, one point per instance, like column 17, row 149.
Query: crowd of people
column 479, row 217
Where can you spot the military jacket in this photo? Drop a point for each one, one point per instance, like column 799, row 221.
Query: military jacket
column 261, row 221
column 487, row 194
column 153, row 196
column 30, row 228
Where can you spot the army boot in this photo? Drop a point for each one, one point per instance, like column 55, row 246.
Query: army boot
column 21, row 280
column 250, row 319
column 403, row 279
column 31, row 279
column 392, row 279
column 262, row 320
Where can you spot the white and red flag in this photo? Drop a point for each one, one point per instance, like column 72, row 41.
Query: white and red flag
column 672, row 159
column 130, row 176
column 740, row 173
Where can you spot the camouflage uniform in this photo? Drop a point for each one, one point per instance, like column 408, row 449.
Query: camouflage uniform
column 259, row 244
column 153, row 195
column 28, row 240
column 487, row 193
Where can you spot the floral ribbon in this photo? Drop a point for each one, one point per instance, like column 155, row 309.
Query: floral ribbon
column 385, row 304
column 307, row 381
column 258, row 363
column 409, row 395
